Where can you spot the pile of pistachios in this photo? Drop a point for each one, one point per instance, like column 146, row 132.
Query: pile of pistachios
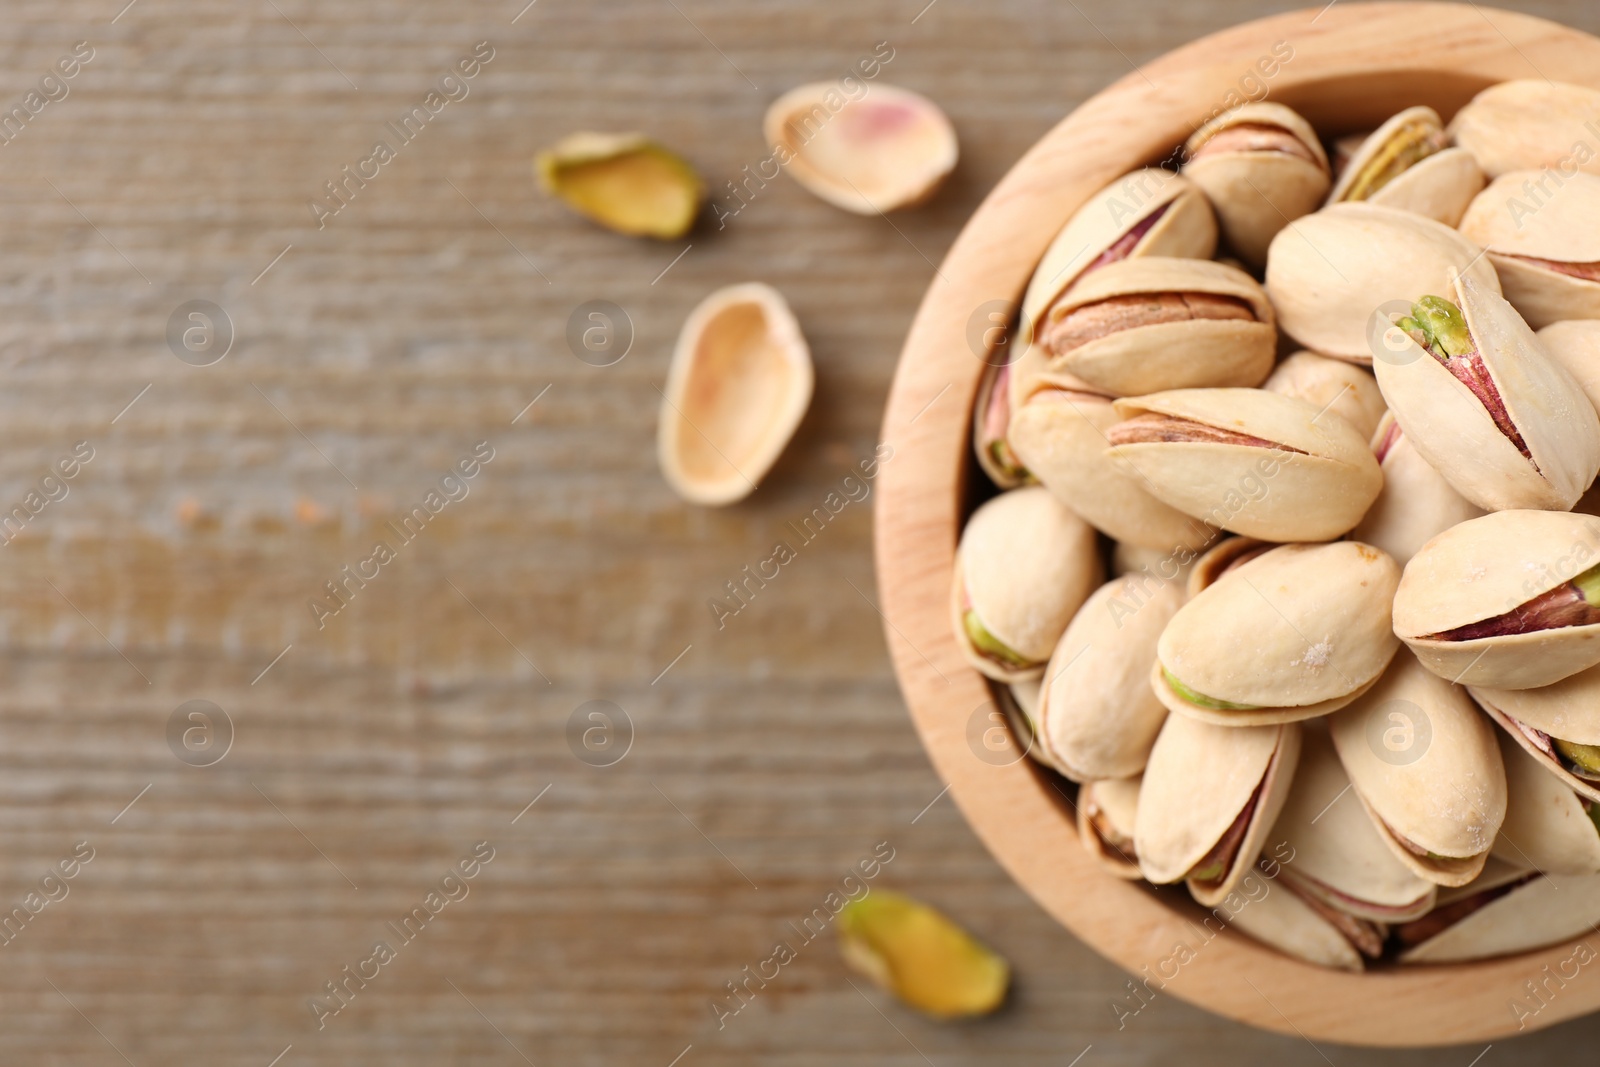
column 1324, row 409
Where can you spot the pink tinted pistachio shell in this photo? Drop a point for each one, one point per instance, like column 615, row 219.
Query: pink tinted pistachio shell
column 1546, row 824
column 1527, row 125
column 1552, row 217
column 1416, row 503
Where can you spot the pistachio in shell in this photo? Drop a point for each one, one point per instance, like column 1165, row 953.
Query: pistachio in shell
column 1408, row 163
column 1542, row 233
column 624, row 181
column 1059, row 434
column 1107, row 813
column 1486, row 405
column 1416, row 503
column 885, row 149
column 1152, row 323
column 1510, row 600
column 1557, row 725
column 1167, row 565
column 1246, row 460
column 1208, row 797
column 991, row 415
column 917, row 953
column 1024, row 566
column 1261, row 165
column 1517, row 912
column 1334, row 385
column 1305, row 928
column 1223, row 557
column 1295, row 633
column 1097, row 716
column 1576, row 346
column 1528, row 125
column 1424, row 763
column 1548, row 826
column 1328, row 272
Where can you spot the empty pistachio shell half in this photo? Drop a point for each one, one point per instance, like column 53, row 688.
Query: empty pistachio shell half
column 739, row 383
column 1298, row 926
column 1558, row 725
column 1257, row 463
column 1339, row 859
column 1548, row 826
column 1024, row 566
column 623, row 181
column 1527, row 125
column 1409, row 164
column 1416, row 502
column 1576, row 346
column 1333, row 385
column 884, row 149
column 1209, row 796
column 1510, row 600
column 1294, row 633
column 921, row 956
column 1097, row 715
column 1328, row 272
column 1483, row 402
column 1221, row 558
column 1542, row 232
column 1059, row 435
column 1262, row 166
column 1152, row 323
column 1530, row 912
column 1107, row 812
column 991, row 415
column 1425, row 764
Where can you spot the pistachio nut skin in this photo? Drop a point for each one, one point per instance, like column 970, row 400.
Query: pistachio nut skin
column 1576, row 346
column 1261, row 165
column 1542, row 233
column 1097, row 716
column 1326, row 272
column 1526, row 125
column 1152, row 323
column 1286, row 922
column 1295, row 633
column 1552, row 724
column 1335, row 385
column 1547, row 824
column 1539, row 911
column 1107, row 811
column 1059, row 434
column 1474, row 604
column 1461, row 429
column 1416, row 504
column 1024, row 566
column 1408, row 163
column 1249, row 461
column 1425, row 764
column 1209, row 796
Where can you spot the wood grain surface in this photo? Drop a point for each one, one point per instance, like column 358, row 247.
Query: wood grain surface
column 371, row 355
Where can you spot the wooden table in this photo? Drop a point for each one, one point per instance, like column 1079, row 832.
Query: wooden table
column 354, row 757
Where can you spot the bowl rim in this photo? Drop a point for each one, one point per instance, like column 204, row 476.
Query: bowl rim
column 923, row 491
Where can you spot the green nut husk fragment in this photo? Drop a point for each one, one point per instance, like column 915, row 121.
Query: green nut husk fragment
column 921, row 956
column 623, row 181
column 1201, row 699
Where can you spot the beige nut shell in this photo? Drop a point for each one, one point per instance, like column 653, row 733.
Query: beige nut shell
column 1439, row 186
column 1569, row 710
column 1335, row 386
column 1290, row 925
column 1546, row 825
column 1527, row 125
column 1576, row 346
column 1545, row 911
column 1527, row 214
column 1117, row 801
column 1416, row 503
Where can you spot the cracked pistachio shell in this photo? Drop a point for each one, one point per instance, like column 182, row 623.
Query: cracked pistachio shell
column 1528, row 125
column 1439, row 186
column 1256, row 193
column 1313, row 494
column 1576, row 346
column 1425, row 764
column 1569, row 710
column 886, row 149
column 1525, row 216
column 1060, row 437
column 991, row 415
column 1295, row 633
column 1484, row 568
column 1329, row 272
column 1544, row 911
column 1097, row 716
column 1547, row 824
column 1025, row 565
column 1283, row 920
column 739, row 383
column 921, row 956
column 1222, row 557
column 1335, row 385
column 1416, row 503
column 1339, row 858
column 1449, row 426
column 1169, row 355
column 1198, row 782
column 623, row 181
column 1114, row 802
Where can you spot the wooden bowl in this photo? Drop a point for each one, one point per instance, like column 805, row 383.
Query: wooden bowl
column 1353, row 65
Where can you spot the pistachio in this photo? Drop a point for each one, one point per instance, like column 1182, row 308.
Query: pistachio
column 1527, row 125
column 1558, row 725
column 1547, row 826
column 740, row 380
column 1542, row 232
column 991, row 415
column 1249, row 461
column 1416, row 502
column 1223, row 557
column 1524, row 911
column 1576, row 346
column 1299, row 925
column 1481, row 400
column 1107, row 813
column 623, row 181
column 1408, row 163
column 1262, row 166
column 921, row 956
column 1333, row 385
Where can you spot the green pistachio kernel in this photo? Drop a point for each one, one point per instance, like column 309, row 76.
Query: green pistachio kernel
column 989, row 644
column 1200, row 699
column 1588, row 584
column 1593, row 811
column 1441, row 325
column 1586, row 758
column 1207, row 874
column 1405, row 150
